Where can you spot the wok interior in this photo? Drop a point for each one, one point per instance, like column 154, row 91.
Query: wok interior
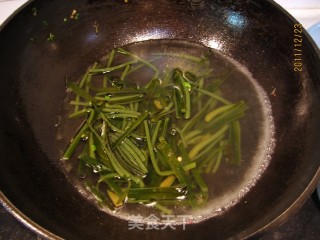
column 33, row 88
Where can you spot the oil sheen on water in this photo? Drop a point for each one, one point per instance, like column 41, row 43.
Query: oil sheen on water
column 231, row 182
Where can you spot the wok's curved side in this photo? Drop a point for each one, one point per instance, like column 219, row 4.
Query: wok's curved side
column 33, row 70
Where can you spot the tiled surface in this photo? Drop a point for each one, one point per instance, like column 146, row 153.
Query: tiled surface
column 307, row 17
column 302, row 4
column 305, row 225
column 7, row 7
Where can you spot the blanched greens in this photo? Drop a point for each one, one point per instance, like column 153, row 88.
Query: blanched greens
column 152, row 138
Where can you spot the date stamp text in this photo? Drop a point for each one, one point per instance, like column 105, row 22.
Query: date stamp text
column 297, row 47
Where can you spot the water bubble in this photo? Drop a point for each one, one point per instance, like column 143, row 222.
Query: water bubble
column 173, row 131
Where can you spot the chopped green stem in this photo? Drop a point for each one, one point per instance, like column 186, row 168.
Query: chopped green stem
column 134, row 157
column 214, row 153
column 176, row 119
column 80, row 92
column 123, row 111
column 115, row 163
column 86, row 104
column 105, row 81
column 181, row 56
column 157, row 193
column 116, row 129
column 190, row 124
column 80, row 113
column 173, row 162
column 189, row 136
column 124, row 99
column 183, row 140
column 209, row 148
column 77, row 138
column 142, row 65
column 132, row 128
column 218, row 160
column 111, row 69
column 135, row 149
column 184, row 87
column 195, row 139
column 81, row 84
column 151, row 153
column 235, row 141
column 155, row 132
column 211, row 115
column 92, row 147
column 126, row 161
column 203, row 186
column 147, row 63
column 213, row 95
column 103, row 158
column 197, row 148
column 116, row 90
column 210, row 164
column 108, row 179
column 177, row 102
column 234, row 113
column 100, row 197
column 111, row 57
column 108, row 176
column 93, row 163
column 125, row 72
column 121, row 115
column 88, row 82
column 165, row 127
column 161, row 115
column 152, row 85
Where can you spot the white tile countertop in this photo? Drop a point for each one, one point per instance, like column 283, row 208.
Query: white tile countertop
column 307, row 12
column 7, row 7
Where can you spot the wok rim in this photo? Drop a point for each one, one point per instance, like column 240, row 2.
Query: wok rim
column 278, row 221
column 14, row 13
column 25, row 220
column 290, row 210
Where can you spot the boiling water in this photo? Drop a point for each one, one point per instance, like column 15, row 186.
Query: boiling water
column 231, row 182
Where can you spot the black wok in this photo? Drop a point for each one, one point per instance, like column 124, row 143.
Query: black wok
column 33, row 72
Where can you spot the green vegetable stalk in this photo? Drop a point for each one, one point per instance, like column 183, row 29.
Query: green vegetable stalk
column 153, row 142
